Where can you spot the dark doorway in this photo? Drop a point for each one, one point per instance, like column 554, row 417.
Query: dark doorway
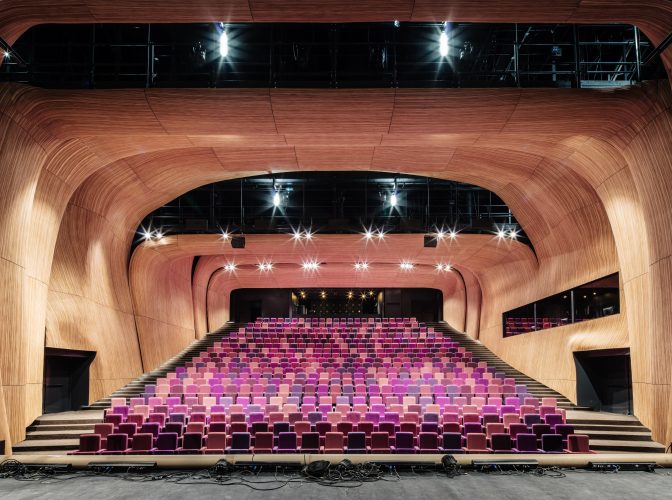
column 66, row 379
column 604, row 381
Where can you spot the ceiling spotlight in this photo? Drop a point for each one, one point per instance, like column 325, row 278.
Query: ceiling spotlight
column 308, row 235
column 146, row 234
column 361, row 266
column 443, row 44
column 302, row 294
column 265, row 266
column 440, row 235
column 226, row 236
column 311, row 265
column 223, row 44
column 7, row 55
column 368, row 234
column 323, row 294
column 276, row 199
column 158, row 235
column 296, row 235
column 393, row 199
column 452, row 234
column 380, row 234
column 370, row 293
column 363, row 295
column 501, row 234
column 443, row 268
column 230, row 267
column 513, row 234
column 350, row 294
column 406, row 265
column 397, row 23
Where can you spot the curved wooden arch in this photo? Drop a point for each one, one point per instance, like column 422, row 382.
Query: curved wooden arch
column 586, row 172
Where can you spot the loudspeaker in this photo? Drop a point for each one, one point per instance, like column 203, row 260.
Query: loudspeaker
column 430, row 241
column 238, row 242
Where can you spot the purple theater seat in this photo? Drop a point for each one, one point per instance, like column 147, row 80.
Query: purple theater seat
column 166, row 444
column 526, row 443
column 286, row 443
column 451, row 442
column 89, row 444
column 428, row 442
column 310, row 442
column 192, row 444
column 552, row 443
column 240, row 443
column 356, row 443
column 404, row 443
column 501, row 443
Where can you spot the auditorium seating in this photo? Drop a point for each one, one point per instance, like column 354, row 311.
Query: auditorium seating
column 334, row 386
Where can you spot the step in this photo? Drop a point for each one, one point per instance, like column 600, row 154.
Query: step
column 80, row 427
column 52, row 435
column 46, row 445
column 626, row 446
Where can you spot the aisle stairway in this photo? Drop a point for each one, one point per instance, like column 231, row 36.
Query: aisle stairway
column 58, row 433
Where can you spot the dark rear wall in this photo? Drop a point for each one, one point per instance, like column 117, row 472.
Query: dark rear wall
column 247, row 304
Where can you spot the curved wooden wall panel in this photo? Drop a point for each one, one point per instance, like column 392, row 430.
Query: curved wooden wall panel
column 566, row 162
column 163, row 305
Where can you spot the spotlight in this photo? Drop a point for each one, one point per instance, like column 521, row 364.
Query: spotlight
column 368, row 234
column 230, row 267
column 311, row 265
column 513, row 234
column 308, row 235
column 501, row 234
column 440, row 235
column 443, row 44
column 452, row 234
column 296, row 235
column 380, row 234
column 302, row 294
column 146, row 234
column 265, row 266
column 397, row 23
column 158, row 235
column 361, row 266
column 370, row 293
column 7, row 55
column 276, row 199
column 226, row 236
column 443, row 268
column 406, row 265
column 363, row 295
column 350, row 294
column 223, row 44
column 323, row 294
column 393, row 200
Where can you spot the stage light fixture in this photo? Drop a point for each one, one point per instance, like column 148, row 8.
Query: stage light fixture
column 296, row 235
column 323, row 294
column 363, row 296
column 368, row 234
column 226, row 236
column 501, row 234
column 146, row 234
column 311, row 265
column 443, row 44
column 452, row 234
column 224, row 44
column 443, row 268
column 513, row 234
column 361, row 266
column 265, row 266
column 393, row 199
column 308, row 235
column 158, row 235
column 7, row 55
column 406, row 265
column 276, row 199
column 440, row 235
column 230, row 267
column 380, row 234
column 350, row 294
column 397, row 23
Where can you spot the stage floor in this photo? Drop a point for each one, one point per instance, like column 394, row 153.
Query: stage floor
column 473, row 485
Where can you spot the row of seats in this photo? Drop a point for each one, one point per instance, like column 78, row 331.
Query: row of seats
column 334, row 442
column 330, row 375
